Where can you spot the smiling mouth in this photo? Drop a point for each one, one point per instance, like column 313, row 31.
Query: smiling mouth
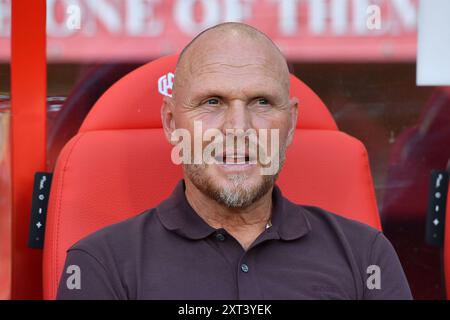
column 235, row 160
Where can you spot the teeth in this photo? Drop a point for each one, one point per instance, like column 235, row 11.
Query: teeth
column 236, row 160
column 240, row 159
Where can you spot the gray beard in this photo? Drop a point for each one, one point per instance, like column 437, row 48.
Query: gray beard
column 235, row 196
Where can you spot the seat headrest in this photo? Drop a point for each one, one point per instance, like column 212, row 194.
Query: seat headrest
column 134, row 102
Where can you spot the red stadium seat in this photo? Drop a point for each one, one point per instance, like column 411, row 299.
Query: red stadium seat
column 119, row 164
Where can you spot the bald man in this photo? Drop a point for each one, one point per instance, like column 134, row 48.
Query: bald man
column 227, row 232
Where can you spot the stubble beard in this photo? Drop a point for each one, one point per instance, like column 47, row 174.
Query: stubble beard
column 236, row 194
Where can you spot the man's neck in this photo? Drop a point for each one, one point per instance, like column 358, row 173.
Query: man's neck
column 245, row 225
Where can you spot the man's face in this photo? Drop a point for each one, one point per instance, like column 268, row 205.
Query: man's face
column 228, row 90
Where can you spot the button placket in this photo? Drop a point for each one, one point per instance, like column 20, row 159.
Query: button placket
column 247, row 277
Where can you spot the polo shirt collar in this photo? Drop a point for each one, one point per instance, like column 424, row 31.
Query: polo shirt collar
column 289, row 220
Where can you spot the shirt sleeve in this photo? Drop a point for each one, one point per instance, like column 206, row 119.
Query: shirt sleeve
column 84, row 277
column 385, row 279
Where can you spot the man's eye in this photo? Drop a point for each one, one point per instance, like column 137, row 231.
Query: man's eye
column 212, row 101
column 263, row 101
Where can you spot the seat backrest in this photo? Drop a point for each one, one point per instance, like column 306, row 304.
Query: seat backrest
column 119, row 164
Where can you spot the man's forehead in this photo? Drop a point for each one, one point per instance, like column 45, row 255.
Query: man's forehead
column 236, row 82
column 233, row 57
column 231, row 63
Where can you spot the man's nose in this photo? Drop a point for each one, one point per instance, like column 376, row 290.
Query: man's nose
column 237, row 116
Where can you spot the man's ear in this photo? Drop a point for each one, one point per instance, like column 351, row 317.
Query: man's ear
column 293, row 109
column 167, row 117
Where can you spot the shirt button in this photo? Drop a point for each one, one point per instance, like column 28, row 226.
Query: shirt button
column 244, row 268
column 220, row 237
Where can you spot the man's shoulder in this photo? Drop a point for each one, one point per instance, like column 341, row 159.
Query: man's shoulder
column 337, row 225
column 365, row 248
column 117, row 235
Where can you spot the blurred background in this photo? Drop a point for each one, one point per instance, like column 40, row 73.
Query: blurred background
column 360, row 61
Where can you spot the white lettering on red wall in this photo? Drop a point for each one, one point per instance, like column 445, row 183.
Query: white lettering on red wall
column 308, row 30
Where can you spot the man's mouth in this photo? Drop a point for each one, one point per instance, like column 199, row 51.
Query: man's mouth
column 235, row 163
column 235, row 159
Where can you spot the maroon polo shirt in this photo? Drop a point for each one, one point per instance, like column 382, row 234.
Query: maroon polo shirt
column 169, row 252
